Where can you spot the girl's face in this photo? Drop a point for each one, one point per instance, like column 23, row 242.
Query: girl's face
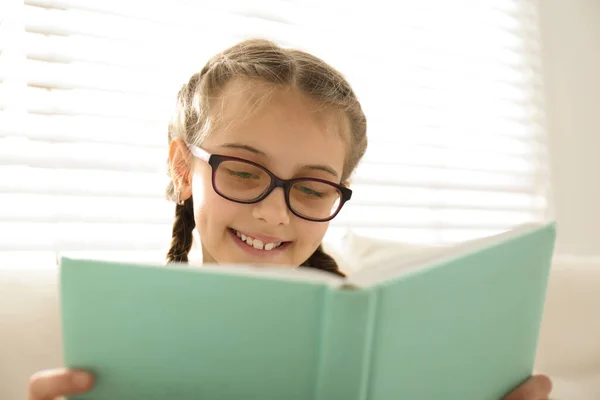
column 291, row 139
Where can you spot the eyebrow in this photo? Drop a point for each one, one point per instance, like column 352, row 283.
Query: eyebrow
column 254, row 150
column 251, row 149
column 324, row 168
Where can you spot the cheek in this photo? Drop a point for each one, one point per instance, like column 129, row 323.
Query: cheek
column 309, row 236
column 311, row 233
column 212, row 212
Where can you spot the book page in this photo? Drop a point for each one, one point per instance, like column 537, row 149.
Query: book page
column 391, row 268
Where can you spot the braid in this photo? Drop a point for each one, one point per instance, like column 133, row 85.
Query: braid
column 183, row 229
column 323, row 261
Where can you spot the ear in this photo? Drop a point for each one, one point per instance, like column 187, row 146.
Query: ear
column 181, row 162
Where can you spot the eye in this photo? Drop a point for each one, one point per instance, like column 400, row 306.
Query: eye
column 310, row 191
column 242, row 174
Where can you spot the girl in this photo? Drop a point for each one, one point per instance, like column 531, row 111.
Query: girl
column 262, row 144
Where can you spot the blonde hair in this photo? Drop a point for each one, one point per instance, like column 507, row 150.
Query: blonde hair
column 262, row 61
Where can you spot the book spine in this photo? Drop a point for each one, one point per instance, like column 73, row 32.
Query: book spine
column 345, row 346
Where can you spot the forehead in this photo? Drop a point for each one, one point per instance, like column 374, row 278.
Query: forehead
column 291, row 128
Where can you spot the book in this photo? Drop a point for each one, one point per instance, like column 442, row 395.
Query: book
column 459, row 323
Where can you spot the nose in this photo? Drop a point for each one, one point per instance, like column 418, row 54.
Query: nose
column 273, row 208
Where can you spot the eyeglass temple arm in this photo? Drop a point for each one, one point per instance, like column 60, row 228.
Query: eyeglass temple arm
column 198, row 152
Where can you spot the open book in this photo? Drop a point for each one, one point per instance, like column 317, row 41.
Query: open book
column 457, row 324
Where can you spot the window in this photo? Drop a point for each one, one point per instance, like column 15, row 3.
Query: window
column 451, row 89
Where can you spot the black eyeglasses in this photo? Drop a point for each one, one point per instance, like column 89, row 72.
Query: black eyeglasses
column 246, row 182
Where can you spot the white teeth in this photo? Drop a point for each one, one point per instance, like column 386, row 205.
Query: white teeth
column 271, row 246
column 256, row 243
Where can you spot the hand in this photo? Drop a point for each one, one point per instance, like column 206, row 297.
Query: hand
column 52, row 384
column 538, row 387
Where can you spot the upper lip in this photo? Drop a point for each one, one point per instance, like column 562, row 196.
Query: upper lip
column 262, row 237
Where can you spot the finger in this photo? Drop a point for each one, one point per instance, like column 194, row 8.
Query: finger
column 47, row 385
column 537, row 387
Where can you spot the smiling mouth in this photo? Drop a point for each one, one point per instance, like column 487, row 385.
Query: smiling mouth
column 257, row 243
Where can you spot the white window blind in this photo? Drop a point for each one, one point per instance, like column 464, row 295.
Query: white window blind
column 451, row 90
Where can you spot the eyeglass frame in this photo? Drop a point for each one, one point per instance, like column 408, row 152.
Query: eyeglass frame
column 214, row 160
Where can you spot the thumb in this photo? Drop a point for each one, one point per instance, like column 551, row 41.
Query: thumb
column 538, row 387
column 50, row 384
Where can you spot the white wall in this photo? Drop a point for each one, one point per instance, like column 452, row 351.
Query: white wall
column 571, row 54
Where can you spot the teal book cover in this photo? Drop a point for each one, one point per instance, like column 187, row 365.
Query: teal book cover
column 461, row 324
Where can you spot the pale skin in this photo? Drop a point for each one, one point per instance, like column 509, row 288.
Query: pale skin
column 288, row 137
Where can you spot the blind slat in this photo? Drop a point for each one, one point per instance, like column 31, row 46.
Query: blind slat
column 456, row 158
column 378, row 182
column 274, row 10
column 441, row 177
column 450, row 197
column 96, row 77
column 97, row 103
column 95, row 156
column 107, row 52
column 20, row 236
column 86, row 129
column 73, row 21
column 21, row 179
column 46, row 208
